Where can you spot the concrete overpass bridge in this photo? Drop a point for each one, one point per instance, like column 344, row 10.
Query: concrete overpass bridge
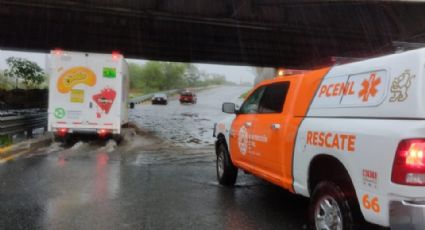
column 290, row 33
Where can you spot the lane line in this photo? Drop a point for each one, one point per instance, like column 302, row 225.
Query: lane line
column 12, row 157
column 5, row 149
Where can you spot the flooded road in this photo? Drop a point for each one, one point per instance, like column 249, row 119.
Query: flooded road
column 157, row 178
column 187, row 124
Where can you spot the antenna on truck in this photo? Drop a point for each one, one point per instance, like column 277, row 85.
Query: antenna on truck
column 345, row 60
column 405, row 46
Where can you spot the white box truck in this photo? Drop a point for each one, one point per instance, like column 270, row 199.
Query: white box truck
column 88, row 93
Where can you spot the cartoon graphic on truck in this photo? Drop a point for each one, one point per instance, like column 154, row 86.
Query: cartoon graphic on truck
column 337, row 136
column 88, row 93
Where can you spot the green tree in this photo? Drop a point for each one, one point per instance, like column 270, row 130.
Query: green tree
column 135, row 72
column 192, row 75
column 174, row 75
column 5, row 82
column 27, row 71
column 153, row 76
column 156, row 76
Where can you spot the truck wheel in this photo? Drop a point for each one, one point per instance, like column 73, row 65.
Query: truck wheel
column 330, row 208
column 226, row 171
column 66, row 140
column 118, row 138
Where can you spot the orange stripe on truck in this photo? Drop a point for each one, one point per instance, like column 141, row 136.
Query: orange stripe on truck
column 307, row 86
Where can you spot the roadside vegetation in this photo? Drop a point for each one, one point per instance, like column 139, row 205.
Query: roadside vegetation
column 154, row 76
column 245, row 94
column 5, row 82
column 22, row 85
column 22, row 73
column 24, row 77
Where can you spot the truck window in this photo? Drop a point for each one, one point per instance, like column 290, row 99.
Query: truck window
column 250, row 106
column 273, row 98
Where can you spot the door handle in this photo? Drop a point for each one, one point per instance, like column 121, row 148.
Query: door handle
column 248, row 124
column 275, row 126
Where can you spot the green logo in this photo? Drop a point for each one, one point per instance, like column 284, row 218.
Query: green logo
column 59, row 113
column 109, row 72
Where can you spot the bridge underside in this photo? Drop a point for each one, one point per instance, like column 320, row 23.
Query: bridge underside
column 289, row 33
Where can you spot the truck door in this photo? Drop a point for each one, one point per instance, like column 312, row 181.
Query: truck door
column 69, row 82
column 268, row 134
column 104, row 107
column 242, row 128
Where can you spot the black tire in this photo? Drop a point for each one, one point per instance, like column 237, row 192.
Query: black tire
column 66, row 140
column 118, row 138
column 58, row 138
column 226, row 171
column 328, row 192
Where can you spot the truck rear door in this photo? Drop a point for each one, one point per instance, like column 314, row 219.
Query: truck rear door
column 104, row 108
column 69, row 78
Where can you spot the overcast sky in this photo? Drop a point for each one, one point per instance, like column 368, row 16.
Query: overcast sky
column 232, row 73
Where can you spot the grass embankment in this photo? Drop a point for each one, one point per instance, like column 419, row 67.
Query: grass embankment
column 244, row 95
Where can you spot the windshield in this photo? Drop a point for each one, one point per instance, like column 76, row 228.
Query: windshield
column 212, row 114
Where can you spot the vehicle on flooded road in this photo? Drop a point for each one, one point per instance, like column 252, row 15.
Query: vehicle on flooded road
column 354, row 142
column 159, row 98
column 88, row 93
column 187, row 97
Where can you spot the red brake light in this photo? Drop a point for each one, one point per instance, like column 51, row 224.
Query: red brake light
column 58, row 52
column 62, row 132
column 409, row 163
column 103, row 132
column 115, row 55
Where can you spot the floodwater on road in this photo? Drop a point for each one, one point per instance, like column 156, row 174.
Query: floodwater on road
column 187, row 124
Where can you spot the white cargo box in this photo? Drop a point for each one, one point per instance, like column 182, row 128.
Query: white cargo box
column 88, row 92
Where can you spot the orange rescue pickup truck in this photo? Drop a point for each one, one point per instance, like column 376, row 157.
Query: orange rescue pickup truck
column 350, row 137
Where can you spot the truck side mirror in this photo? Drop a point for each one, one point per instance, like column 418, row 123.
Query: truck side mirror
column 131, row 105
column 228, row 107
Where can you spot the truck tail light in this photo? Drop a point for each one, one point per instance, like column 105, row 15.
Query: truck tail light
column 58, row 52
column 409, row 163
column 103, row 132
column 62, row 132
column 116, row 55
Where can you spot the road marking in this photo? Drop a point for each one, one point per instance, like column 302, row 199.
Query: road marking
column 5, row 149
column 12, row 157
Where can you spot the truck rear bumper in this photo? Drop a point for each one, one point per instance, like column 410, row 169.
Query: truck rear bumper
column 86, row 130
column 407, row 215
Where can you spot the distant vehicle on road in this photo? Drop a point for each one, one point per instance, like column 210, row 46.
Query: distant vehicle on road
column 188, row 97
column 159, row 98
column 88, row 93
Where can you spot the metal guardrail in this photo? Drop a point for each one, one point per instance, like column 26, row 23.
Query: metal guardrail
column 14, row 124
column 147, row 97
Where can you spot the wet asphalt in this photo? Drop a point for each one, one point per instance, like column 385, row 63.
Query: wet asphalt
column 160, row 177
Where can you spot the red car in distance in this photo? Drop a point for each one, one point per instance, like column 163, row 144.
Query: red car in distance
column 187, row 97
